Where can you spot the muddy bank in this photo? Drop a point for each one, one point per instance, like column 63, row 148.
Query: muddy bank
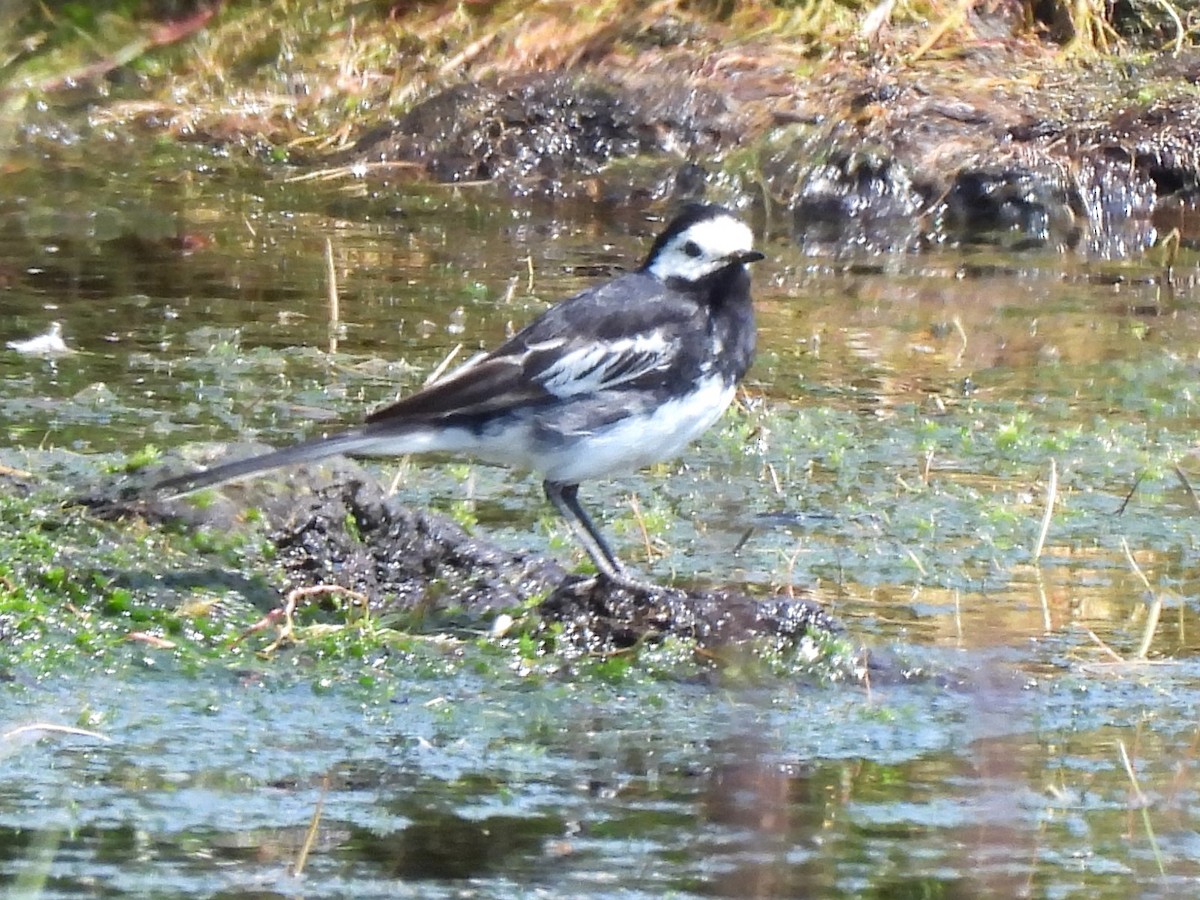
column 333, row 525
column 877, row 130
column 856, row 160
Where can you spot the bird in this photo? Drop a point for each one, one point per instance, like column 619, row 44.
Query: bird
column 621, row 375
column 50, row 343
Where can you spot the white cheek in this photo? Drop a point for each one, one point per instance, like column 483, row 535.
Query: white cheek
column 677, row 264
column 718, row 239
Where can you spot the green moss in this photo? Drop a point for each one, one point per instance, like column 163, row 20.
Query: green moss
column 139, row 459
column 463, row 512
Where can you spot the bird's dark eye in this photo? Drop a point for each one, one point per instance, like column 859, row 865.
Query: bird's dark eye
column 691, row 248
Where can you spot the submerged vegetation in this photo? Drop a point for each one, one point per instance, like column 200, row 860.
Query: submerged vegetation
column 80, row 596
column 963, row 493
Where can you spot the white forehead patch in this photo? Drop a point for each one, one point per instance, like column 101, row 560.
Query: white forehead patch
column 717, row 239
column 720, row 236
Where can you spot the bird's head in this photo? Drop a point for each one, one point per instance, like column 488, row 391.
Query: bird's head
column 702, row 240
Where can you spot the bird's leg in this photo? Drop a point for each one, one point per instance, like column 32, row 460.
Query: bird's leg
column 565, row 499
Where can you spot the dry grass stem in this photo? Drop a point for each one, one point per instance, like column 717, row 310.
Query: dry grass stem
column 1139, row 797
column 1118, row 661
column 949, row 22
column 288, row 629
column 917, row 563
column 776, row 484
column 875, row 19
column 158, row 642
column 1168, row 253
column 46, row 727
column 1051, row 497
column 1180, row 31
column 401, row 474
column 1093, row 34
column 1143, row 803
column 652, row 552
column 357, row 170
column 1047, row 622
column 1153, row 608
column 1153, row 614
column 1137, row 570
column 510, row 291
column 310, row 836
column 335, row 311
column 1117, row 657
column 962, row 333
column 440, row 368
column 789, row 587
column 1187, row 486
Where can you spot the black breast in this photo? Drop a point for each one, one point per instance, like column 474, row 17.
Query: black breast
column 731, row 322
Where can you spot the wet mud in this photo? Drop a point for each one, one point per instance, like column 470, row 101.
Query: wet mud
column 334, row 525
column 987, row 151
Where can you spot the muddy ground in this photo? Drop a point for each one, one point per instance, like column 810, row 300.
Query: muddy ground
column 991, row 149
column 334, row 526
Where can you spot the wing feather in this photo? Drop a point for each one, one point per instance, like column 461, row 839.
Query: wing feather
column 605, row 337
column 490, row 385
column 593, row 367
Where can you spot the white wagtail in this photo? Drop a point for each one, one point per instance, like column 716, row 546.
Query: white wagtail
column 619, row 376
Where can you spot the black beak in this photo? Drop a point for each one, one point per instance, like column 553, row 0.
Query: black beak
column 748, row 257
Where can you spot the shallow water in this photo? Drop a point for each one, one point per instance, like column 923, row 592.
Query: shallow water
column 892, row 457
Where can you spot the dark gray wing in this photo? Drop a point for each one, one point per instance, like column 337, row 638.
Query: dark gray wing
column 605, row 337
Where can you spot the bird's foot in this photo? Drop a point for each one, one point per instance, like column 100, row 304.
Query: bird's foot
column 625, row 581
column 618, row 578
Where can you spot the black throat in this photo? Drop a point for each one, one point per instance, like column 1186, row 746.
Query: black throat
column 725, row 297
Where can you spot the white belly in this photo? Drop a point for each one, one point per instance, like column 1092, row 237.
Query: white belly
column 639, row 441
column 622, row 446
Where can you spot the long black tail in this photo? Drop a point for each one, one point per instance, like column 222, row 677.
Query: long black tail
column 349, row 442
